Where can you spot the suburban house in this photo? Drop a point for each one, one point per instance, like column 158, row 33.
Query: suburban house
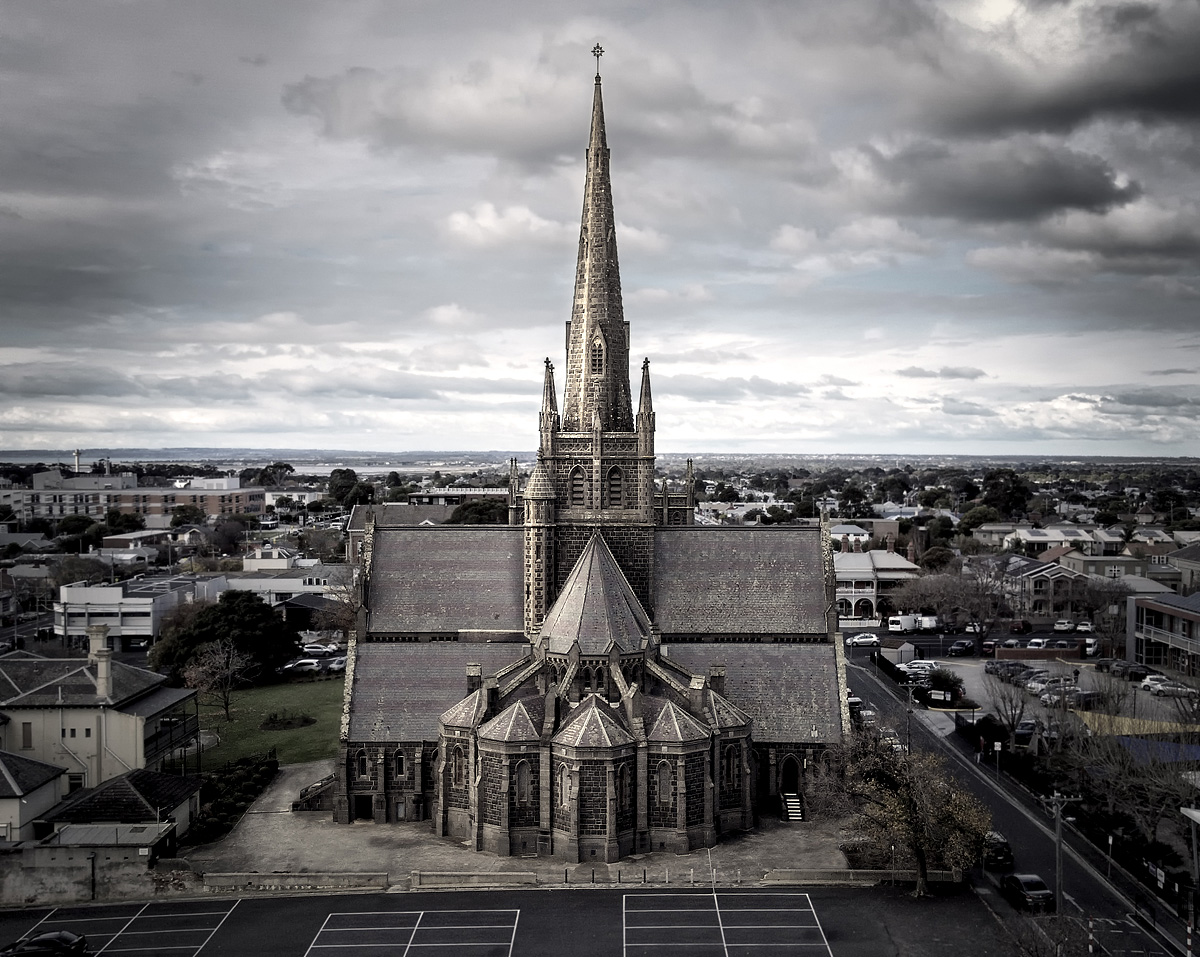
column 93, row 716
column 28, row 789
column 864, row 581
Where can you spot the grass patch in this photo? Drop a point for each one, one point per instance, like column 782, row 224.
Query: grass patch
column 244, row 735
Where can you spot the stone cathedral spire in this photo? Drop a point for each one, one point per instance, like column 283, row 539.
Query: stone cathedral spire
column 597, row 386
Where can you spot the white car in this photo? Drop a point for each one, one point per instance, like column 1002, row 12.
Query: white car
column 337, row 664
column 1064, row 624
column 920, row 665
column 1150, row 682
column 864, row 639
column 1084, row 626
column 301, row 665
column 319, row 649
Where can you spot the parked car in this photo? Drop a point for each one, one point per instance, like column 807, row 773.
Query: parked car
column 1036, row 643
column 868, row 718
column 1151, row 681
column 52, row 942
column 1083, row 626
column 1011, row 643
column 997, row 852
column 961, row 648
column 1174, row 689
column 1025, row 730
column 865, row 639
column 974, row 628
column 1129, row 670
column 1085, row 700
column 989, row 646
column 1020, row 627
column 1047, row 683
column 302, row 665
column 1057, row 697
column 1104, row 664
column 994, row 667
column 918, row 666
column 1062, row 643
column 1064, row 624
column 1025, row 675
column 319, row 649
column 1027, row 891
column 336, row 664
column 889, row 739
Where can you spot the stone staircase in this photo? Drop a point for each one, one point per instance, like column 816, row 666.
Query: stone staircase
column 793, row 810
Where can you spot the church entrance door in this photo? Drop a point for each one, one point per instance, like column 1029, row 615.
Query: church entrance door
column 362, row 808
column 789, row 776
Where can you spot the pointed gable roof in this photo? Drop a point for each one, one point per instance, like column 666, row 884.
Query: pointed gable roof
column 596, row 607
column 468, row 712
column 673, row 725
column 20, row 775
column 594, row 724
column 521, row 721
column 134, row 797
column 722, row 711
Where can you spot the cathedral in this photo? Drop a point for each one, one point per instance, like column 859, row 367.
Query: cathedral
column 600, row 676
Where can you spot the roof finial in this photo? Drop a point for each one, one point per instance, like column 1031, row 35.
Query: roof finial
column 597, row 52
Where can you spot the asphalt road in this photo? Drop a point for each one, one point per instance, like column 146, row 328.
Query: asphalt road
column 1088, row 897
column 696, row 922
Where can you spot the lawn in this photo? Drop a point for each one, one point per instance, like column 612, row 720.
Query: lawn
column 244, row 735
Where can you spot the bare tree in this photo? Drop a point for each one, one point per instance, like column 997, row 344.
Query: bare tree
column 341, row 609
column 1009, row 701
column 218, row 670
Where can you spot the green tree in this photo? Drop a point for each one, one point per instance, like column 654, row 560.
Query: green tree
column 1006, row 491
column 73, row 526
column 488, row 511
column 911, row 800
column 119, row 523
column 341, row 481
column 240, row 617
column 363, row 493
column 274, row 474
column 75, row 568
column 935, row 558
column 188, row 515
column 979, row 515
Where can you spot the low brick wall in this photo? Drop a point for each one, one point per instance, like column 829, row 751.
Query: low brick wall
column 470, row 879
column 225, row 883
column 783, row 875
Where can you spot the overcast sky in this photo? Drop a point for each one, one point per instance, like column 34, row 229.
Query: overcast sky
column 887, row 226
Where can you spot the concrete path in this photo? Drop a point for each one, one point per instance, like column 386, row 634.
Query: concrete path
column 272, row 838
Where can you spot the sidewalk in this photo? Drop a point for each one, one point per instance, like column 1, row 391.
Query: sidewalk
column 271, row 838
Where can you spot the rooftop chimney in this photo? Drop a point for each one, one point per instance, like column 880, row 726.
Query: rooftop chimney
column 474, row 678
column 97, row 640
column 891, row 542
column 100, row 655
column 716, row 678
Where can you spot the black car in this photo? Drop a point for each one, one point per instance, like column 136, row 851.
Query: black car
column 1025, row 730
column 997, row 852
column 1020, row 627
column 1028, row 891
column 1104, row 664
column 49, row 944
column 962, row 647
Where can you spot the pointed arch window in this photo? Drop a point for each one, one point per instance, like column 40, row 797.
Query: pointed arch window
column 666, row 793
column 360, row 763
column 457, row 764
column 561, row 786
column 729, row 770
column 623, row 787
column 398, row 760
column 596, row 357
column 578, row 488
column 524, row 790
column 614, row 488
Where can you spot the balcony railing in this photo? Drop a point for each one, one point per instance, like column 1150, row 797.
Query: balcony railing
column 170, row 736
column 1170, row 638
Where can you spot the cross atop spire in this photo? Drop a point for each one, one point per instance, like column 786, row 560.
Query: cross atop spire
column 597, row 52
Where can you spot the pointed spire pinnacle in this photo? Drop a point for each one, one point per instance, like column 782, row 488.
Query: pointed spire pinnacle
column 549, row 400
column 645, row 402
column 598, row 339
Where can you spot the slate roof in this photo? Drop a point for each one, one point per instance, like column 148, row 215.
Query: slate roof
column 520, row 721
column 401, row 689
column 786, row 689
column 671, row 724
column 722, row 710
column 1183, row 603
column 398, row 513
column 540, row 486
column 1189, row 553
column 136, row 796
column 765, row 580
column 466, row 713
column 447, row 578
column 29, row 680
column 20, row 775
column 595, row 608
column 593, row 724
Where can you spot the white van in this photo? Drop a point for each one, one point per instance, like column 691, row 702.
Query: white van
column 902, row 624
column 1091, row 647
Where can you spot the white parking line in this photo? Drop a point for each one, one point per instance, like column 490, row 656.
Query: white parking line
column 722, row 925
column 425, row 931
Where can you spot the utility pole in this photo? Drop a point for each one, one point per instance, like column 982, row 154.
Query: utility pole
column 1060, row 801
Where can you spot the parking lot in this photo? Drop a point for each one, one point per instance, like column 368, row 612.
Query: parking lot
column 179, row 928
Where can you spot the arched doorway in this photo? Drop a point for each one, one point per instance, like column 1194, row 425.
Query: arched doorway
column 789, row 776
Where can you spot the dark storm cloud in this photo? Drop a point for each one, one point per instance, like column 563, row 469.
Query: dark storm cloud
column 1154, row 398
column 945, row 372
column 1011, row 180
column 1145, row 67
